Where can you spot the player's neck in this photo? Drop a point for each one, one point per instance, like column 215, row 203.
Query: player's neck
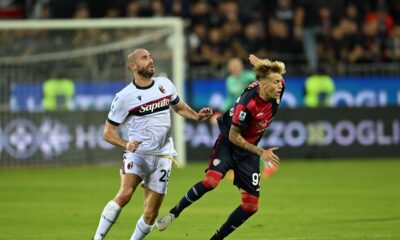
column 143, row 82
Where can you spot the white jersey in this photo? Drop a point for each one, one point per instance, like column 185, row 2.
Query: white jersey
column 146, row 115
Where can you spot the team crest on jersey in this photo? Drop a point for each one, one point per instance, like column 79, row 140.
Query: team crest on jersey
column 242, row 116
column 216, row 162
column 162, row 89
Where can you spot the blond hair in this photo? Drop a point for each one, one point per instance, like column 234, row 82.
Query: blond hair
column 265, row 67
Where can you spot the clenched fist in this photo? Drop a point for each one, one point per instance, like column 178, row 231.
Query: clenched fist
column 132, row 146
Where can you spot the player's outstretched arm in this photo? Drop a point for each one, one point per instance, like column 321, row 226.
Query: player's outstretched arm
column 184, row 110
column 255, row 61
column 204, row 114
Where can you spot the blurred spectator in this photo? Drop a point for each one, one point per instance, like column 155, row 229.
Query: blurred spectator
column 229, row 10
column 196, row 41
column 252, row 41
column 81, row 11
column 132, row 9
column 64, row 9
column 58, row 92
column 368, row 47
column 40, row 10
column 326, row 52
column 215, row 49
column 394, row 10
column 307, row 26
column 112, row 12
column 393, row 44
column 231, row 32
column 236, row 81
column 145, row 8
column 385, row 24
column 318, row 89
column 201, row 13
column 178, row 8
column 252, row 11
column 279, row 40
column 345, row 34
column 284, row 11
column 157, row 8
column 352, row 13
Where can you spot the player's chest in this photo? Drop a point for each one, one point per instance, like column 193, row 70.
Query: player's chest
column 143, row 96
column 150, row 101
column 262, row 116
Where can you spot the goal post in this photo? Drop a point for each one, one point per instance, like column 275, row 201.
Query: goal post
column 91, row 50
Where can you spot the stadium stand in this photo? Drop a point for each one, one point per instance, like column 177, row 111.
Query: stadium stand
column 351, row 35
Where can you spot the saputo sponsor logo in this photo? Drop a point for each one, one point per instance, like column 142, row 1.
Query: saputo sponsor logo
column 146, row 108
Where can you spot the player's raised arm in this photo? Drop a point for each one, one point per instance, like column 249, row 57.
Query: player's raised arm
column 255, row 61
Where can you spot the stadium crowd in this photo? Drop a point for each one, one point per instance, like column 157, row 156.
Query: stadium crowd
column 295, row 31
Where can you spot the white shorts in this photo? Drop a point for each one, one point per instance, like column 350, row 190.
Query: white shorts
column 153, row 170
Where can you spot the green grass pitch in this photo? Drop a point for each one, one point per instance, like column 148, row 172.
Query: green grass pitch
column 303, row 200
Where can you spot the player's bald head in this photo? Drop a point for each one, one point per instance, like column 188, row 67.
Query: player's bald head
column 135, row 54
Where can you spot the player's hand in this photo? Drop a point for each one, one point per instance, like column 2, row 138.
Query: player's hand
column 204, row 114
column 269, row 156
column 132, row 146
column 255, row 61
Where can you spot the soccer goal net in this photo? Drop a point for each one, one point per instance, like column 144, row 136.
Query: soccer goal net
column 58, row 79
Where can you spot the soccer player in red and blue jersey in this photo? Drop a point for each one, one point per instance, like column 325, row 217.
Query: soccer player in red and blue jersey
column 236, row 147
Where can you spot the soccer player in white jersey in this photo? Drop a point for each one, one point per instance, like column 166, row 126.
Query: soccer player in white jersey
column 143, row 107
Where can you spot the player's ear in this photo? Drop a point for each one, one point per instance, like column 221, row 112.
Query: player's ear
column 132, row 66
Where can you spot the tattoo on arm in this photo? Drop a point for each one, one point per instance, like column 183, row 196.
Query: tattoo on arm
column 236, row 138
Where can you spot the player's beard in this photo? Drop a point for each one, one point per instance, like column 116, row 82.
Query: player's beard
column 146, row 72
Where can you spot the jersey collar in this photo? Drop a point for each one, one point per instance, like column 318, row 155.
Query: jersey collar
column 139, row 87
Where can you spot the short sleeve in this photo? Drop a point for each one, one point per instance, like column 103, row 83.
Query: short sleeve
column 241, row 116
column 118, row 111
column 174, row 95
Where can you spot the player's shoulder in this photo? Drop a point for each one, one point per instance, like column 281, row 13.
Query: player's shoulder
column 127, row 90
column 164, row 82
column 161, row 80
column 252, row 88
column 249, row 93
